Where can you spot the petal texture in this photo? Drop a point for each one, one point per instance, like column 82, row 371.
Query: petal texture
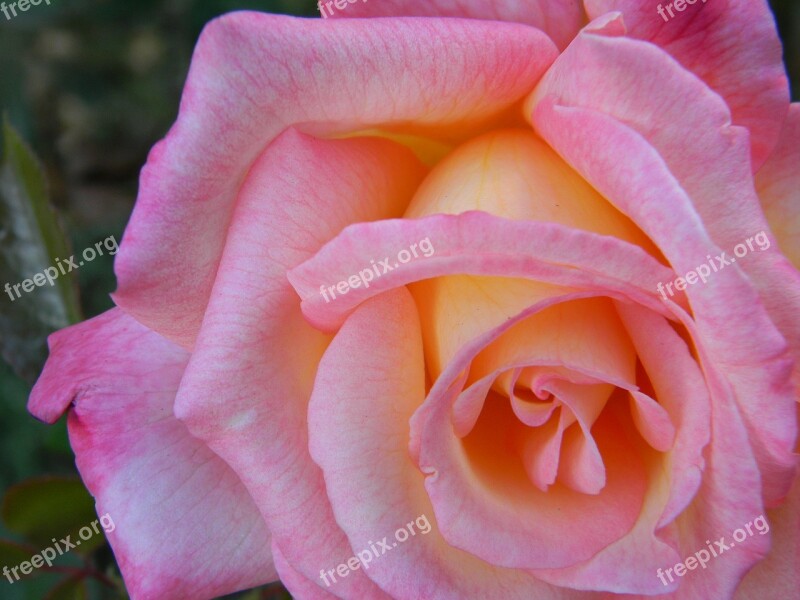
column 732, row 45
column 249, row 380
column 373, row 459
column 749, row 350
column 778, row 184
column 173, row 501
column 688, row 127
column 252, row 76
column 475, row 243
column 560, row 19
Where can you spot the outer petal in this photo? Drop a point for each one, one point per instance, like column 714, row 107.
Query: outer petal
column 778, row 185
column 300, row 587
column 778, row 576
column 688, row 126
column 373, row 459
column 732, row 45
column 247, row 386
column 560, row 19
column 252, row 76
column 173, row 501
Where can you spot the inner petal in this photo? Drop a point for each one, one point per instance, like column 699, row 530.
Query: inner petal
column 512, row 173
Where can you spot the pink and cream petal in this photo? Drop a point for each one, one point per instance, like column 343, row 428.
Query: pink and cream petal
column 778, row 185
column 252, row 76
column 733, row 324
column 679, row 121
column 560, row 19
column 478, row 244
column 173, row 501
column 297, row 584
column 374, row 460
column 707, row 39
column 778, row 575
column 247, row 385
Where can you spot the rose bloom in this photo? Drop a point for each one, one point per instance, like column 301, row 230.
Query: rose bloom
column 568, row 431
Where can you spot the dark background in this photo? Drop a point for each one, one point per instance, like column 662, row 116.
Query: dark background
column 92, row 85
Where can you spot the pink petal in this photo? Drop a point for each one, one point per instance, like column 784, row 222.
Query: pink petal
column 247, row 385
column 728, row 499
column 252, row 76
column 778, row 575
column 359, row 435
column 525, row 523
column 627, row 565
column 687, row 128
column 300, row 587
column 530, row 413
column 652, row 421
column 540, row 449
column 560, row 19
column 475, row 243
column 582, row 468
column 173, row 501
column 728, row 496
column 673, row 479
column 485, row 504
column 778, row 184
column 732, row 46
column 737, row 336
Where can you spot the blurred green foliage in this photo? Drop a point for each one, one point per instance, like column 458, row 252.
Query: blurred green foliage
column 30, row 242
column 92, row 85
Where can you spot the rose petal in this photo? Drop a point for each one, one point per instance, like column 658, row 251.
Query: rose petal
column 728, row 496
column 373, row 459
column 652, row 421
column 735, row 330
column 778, row 184
column 475, row 243
column 247, row 385
column 685, row 480
column 501, row 517
column 778, row 575
column 560, row 19
column 685, row 128
column 708, row 40
column 173, row 501
column 252, row 76
column 300, row 587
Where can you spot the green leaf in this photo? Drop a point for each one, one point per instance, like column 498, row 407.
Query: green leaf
column 72, row 588
column 30, row 242
column 44, row 508
column 12, row 553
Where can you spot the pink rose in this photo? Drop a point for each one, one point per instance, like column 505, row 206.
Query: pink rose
column 504, row 284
